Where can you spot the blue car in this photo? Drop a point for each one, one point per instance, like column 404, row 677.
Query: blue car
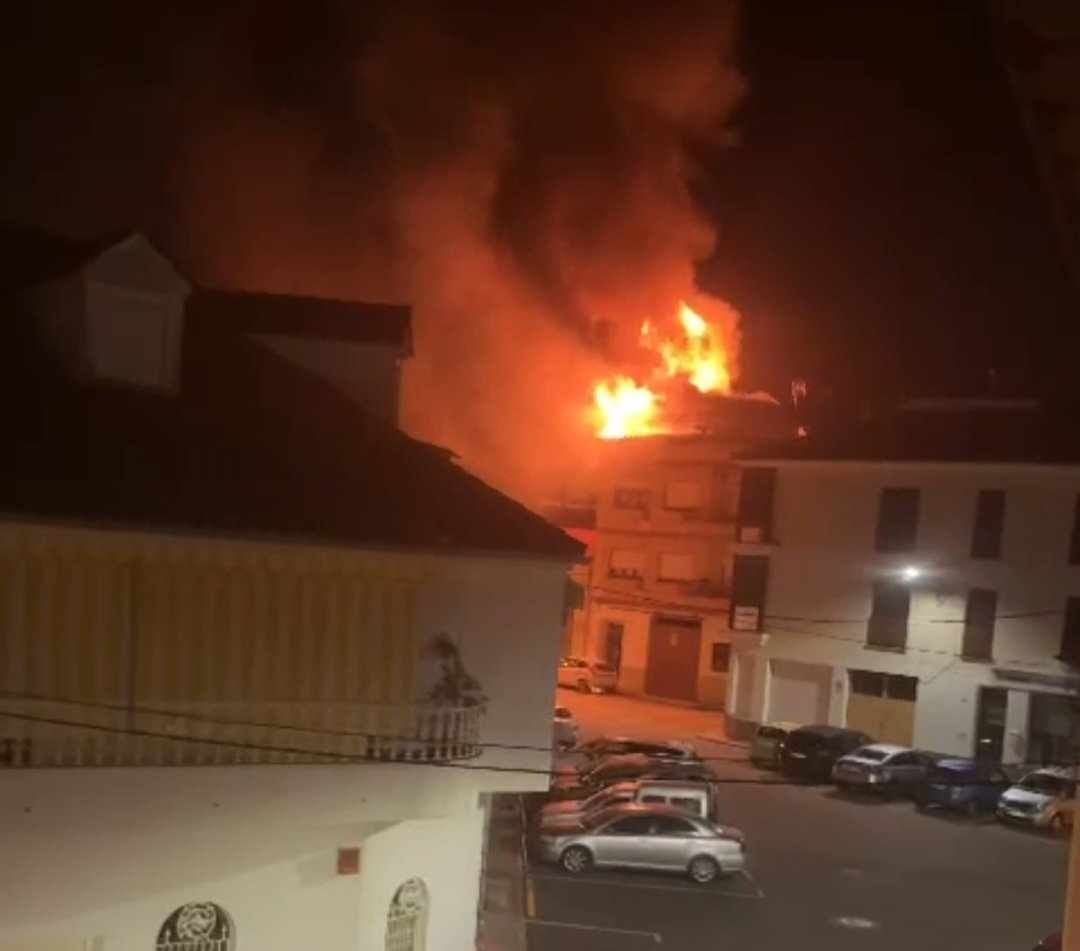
column 962, row 785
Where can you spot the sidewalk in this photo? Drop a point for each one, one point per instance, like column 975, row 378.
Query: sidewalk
column 501, row 918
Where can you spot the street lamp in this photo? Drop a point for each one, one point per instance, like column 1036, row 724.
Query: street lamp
column 911, row 573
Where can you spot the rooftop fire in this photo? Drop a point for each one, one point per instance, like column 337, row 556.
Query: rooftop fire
column 694, row 354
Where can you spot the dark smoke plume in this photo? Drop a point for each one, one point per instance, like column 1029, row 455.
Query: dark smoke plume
column 517, row 174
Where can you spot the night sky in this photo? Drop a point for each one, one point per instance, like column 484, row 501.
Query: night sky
column 881, row 228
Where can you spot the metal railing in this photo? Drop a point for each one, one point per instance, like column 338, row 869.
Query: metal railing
column 53, row 733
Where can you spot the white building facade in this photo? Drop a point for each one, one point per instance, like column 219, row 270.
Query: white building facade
column 935, row 604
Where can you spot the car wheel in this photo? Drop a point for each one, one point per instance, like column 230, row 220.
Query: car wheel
column 703, row 869
column 576, row 859
column 583, row 685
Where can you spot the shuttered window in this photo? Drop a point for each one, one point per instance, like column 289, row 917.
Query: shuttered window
column 755, row 518
column 989, row 523
column 675, row 566
column 888, row 625
column 626, row 563
column 749, row 582
column 898, row 520
column 684, row 496
column 979, row 624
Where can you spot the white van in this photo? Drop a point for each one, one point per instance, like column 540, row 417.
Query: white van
column 1043, row 798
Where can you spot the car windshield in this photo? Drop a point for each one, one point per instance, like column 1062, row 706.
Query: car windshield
column 770, row 733
column 869, row 752
column 1046, row 783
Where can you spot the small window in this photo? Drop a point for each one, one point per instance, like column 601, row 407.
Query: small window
column 888, row 626
column 671, row 825
column 1070, row 635
column 1074, row 542
column 628, row 497
column 979, row 624
column 749, row 581
column 898, row 687
column 721, row 658
column 898, row 520
column 989, row 523
column 654, row 799
column 688, row 803
column 626, row 563
column 198, row 924
column 631, row 825
column 684, row 496
column 676, row 566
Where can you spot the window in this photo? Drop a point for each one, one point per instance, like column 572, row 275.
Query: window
column 1070, row 636
column 1074, row 542
column 749, row 580
column 198, row 924
column 989, row 522
column 889, row 616
column 868, row 683
column 979, row 624
column 676, row 566
column 683, row 496
column 898, row 520
column 754, row 520
column 898, row 687
column 632, row 825
column 721, row 658
column 629, row 497
column 406, row 921
column 626, row 563
column 672, row 825
column 654, row 799
column 687, row 803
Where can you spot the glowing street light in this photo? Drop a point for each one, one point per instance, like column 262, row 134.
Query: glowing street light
column 911, row 573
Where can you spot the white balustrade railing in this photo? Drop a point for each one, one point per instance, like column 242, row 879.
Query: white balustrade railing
column 42, row 733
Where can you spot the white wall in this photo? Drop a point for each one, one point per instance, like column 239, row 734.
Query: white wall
column 111, row 853
column 823, row 566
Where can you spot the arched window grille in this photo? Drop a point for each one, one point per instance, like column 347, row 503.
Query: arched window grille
column 406, row 921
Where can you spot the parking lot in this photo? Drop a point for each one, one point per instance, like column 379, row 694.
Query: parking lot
column 826, row 871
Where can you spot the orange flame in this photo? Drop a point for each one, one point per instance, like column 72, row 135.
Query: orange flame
column 623, row 408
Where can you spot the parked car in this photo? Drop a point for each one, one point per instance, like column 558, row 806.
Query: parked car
column 597, row 749
column 565, row 730
column 588, row 676
column 580, row 783
column 810, row 752
column 693, row 798
column 768, row 741
column 651, row 837
column 882, row 768
column 1041, row 799
column 963, row 785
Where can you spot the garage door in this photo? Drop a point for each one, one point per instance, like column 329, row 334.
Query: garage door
column 674, row 656
column 798, row 692
column 883, row 705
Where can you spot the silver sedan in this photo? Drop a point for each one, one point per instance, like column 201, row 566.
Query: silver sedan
column 648, row 837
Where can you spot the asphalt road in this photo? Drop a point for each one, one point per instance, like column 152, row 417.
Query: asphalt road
column 825, row 872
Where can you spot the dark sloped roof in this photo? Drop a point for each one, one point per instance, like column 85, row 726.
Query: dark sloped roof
column 254, row 446
column 946, row 431
column 299, row 316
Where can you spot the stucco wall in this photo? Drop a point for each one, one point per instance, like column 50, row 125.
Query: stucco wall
column 109, row 854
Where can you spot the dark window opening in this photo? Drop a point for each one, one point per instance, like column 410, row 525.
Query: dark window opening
column 979, row 624
column 721, row 658
column 1070, row 635
column 898, row 520
column 867, row 683
column 749, row 580
column 755, row 516
column 898, row 687
column 888, row 626
column 989, row 524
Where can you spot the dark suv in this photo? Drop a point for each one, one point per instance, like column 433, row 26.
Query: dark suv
column 811, row 751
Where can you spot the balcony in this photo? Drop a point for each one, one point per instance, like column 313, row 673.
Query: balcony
column 47, row 733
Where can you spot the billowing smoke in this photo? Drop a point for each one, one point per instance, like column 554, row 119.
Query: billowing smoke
column 516, row 174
